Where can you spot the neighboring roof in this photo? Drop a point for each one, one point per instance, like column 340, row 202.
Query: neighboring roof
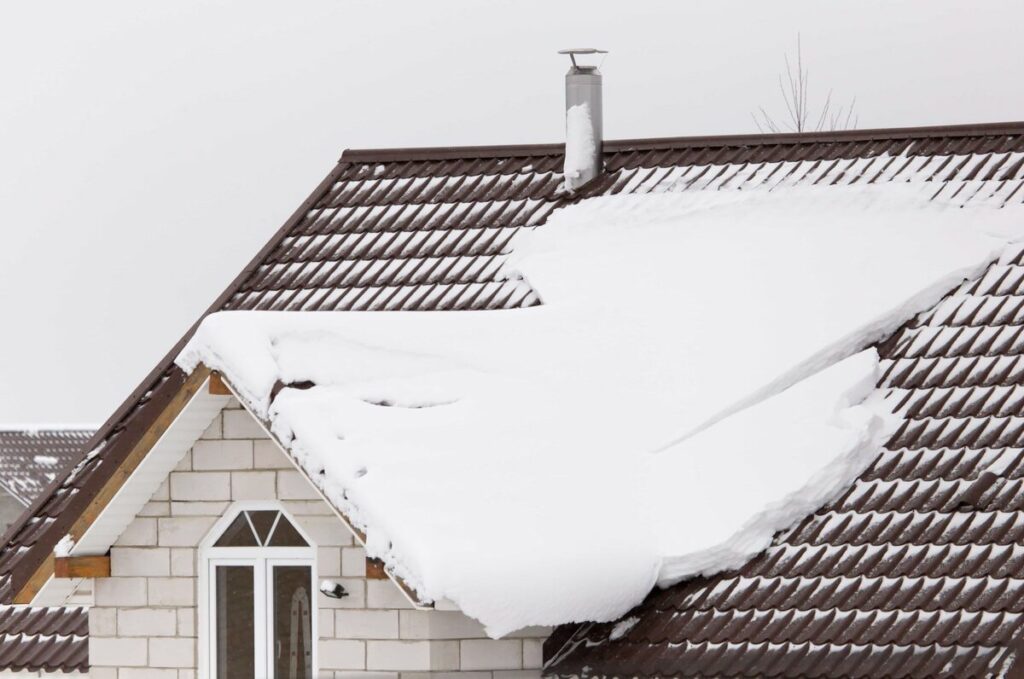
column 44, row 639
column 30, row 459
column 428, row 229
column 916, row 571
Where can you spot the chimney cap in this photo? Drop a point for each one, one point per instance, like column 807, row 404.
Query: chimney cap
column 573, row 51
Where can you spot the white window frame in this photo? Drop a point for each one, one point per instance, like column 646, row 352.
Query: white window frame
column 262, row 560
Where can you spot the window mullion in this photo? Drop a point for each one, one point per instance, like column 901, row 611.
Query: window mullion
column 255, row 535
column 270, row 535
column 261, row 617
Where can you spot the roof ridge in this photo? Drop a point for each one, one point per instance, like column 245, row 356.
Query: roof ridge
column 415, row 153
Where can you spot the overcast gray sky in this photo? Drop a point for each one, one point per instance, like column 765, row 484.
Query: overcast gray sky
column 147, row 150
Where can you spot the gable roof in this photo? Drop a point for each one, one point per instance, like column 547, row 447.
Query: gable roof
column 428, row 229
column 31, row 459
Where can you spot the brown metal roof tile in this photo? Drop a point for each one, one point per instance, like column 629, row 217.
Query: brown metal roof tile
column 30, row 460
column 44, row 639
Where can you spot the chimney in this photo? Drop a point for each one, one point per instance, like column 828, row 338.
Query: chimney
column 583, row 120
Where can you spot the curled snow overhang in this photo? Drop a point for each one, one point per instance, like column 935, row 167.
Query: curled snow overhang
column 701, row 362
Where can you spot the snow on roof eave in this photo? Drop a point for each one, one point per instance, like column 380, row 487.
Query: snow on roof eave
column 758, row 291
column 407, row 591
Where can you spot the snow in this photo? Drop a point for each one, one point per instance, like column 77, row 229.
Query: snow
column 45, row 460
column 699, row 377
column 64, row 546
column 580, row 145
column 333, row 589
column 620, row 628
column 36, row 428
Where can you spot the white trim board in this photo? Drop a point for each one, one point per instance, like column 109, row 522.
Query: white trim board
column 139, row 487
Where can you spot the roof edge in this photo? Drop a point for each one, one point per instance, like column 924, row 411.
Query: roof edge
column 710, row 141
column 450, row 152
column 151, row 382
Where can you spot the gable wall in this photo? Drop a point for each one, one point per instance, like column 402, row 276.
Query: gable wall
column 144, row 621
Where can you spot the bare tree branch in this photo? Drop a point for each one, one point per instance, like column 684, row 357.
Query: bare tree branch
column 795, row 92
column 824, row 113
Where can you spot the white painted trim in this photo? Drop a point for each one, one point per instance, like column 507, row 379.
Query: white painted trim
column 235, row 508
column 262, row 559
column 158, row 462
column 314, row 633
column 138, row 489
column 56, row 591
column 208, row 613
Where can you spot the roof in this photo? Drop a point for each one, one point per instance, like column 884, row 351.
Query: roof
column 542, row 377
column 44, row 639
column 917, row 570
column 428, row 229
column 30, row 459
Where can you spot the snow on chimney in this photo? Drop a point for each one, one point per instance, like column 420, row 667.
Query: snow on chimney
column 583, row 120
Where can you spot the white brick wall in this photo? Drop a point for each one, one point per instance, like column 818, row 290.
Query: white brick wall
column 144, row 622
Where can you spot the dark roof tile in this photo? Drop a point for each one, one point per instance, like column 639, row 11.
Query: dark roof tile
column 31, row 459
column 36, row 639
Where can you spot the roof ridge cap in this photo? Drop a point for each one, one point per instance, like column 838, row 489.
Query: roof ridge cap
column 416, row 153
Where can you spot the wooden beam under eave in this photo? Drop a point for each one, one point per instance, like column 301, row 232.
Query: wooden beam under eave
column 375, row 569
column 218, row 387
column 193, row 383
column 81, row 567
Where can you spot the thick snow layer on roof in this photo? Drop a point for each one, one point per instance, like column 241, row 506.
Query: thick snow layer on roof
column 699, row 377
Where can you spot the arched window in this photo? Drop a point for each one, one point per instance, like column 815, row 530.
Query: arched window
column 257, row 597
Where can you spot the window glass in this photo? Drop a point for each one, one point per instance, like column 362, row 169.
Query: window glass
column 285, row 535
column 293, row 637
column 238, row 534
column 235, row 624
column 263, row 521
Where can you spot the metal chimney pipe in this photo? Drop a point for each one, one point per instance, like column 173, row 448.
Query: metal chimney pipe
column 584, row 129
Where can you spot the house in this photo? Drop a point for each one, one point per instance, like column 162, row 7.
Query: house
column 39, row 639
column 31, row 459
column 219, row 545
